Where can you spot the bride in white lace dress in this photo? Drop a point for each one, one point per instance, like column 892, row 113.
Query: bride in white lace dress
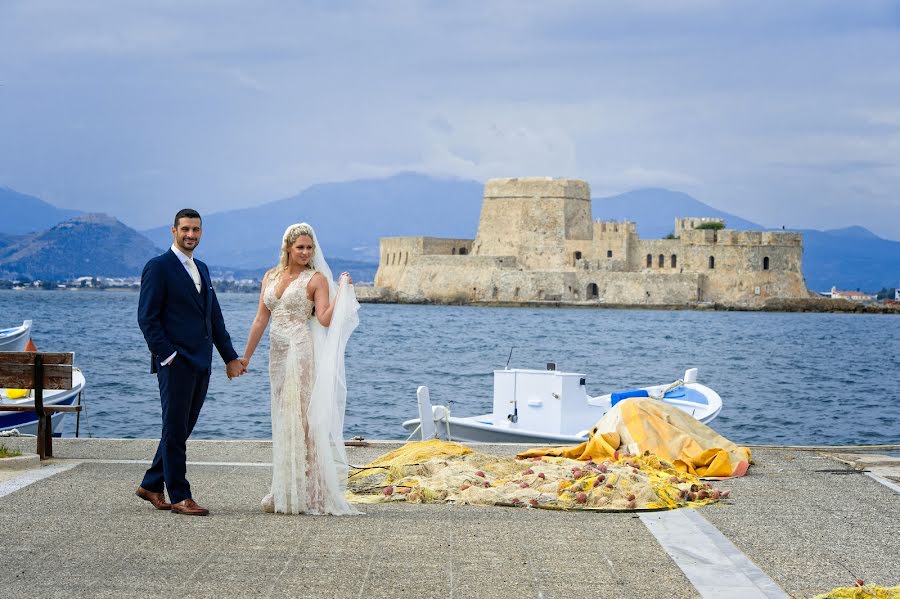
column 311, row 321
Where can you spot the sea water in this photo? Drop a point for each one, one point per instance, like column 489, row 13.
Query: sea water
column 784, row 378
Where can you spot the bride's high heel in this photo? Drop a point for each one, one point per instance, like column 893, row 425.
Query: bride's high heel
column 268, row 504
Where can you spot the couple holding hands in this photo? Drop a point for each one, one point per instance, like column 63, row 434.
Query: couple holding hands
column 310, row 319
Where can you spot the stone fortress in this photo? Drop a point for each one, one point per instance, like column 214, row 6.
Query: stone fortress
column 537, row 243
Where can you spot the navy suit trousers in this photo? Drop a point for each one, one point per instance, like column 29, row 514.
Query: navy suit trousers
column 182, row 391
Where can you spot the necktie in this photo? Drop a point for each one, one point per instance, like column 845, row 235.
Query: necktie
column 195, row 274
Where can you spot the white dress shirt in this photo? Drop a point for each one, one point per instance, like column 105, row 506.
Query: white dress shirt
column 194, row 273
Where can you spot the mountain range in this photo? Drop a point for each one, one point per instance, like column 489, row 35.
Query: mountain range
column 23, row 214
column 350, row 218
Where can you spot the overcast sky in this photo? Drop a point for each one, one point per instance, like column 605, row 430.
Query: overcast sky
column 785, row 113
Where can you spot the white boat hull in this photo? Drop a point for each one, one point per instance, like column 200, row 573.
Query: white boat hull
column 26, row 422
column 15, row 338
column 533, row 410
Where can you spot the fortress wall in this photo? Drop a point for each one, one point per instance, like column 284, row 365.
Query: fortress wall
column 640, row 288
column 397, row 253
column 444, row 278
column 656, row 248
column 448, row 247
column 611, row 246
column 692, row 222
column 394, row 255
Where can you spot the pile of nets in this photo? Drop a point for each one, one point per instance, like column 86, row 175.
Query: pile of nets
column 441, row 471
column 862, row 591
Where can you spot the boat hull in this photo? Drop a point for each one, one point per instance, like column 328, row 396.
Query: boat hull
column 26, row 422
column 695, row 399
column 481, row 430
column 15, row 338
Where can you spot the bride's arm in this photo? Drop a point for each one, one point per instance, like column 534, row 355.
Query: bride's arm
column 259, row 324
column 324, row 308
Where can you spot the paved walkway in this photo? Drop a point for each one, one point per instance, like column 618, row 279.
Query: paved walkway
column 801, row 523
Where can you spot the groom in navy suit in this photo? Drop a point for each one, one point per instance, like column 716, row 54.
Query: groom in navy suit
column 181, row 320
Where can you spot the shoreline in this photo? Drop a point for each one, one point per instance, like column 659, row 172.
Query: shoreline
column 373, row 295
column 812, row 305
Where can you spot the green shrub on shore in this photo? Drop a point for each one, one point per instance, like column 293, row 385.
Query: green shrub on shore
column 6, row 452
column 714, row 225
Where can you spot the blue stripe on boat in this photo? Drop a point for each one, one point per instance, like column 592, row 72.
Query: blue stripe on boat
column 681, row 394
column 13, row 419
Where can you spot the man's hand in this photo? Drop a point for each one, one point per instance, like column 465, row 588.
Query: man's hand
column 234, row 369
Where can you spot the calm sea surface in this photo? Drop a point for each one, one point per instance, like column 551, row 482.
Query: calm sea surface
column 804, row 379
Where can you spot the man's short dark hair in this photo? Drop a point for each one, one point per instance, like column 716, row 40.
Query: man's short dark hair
column 187, row 213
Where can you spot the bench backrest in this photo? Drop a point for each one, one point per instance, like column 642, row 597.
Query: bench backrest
column 17, row 370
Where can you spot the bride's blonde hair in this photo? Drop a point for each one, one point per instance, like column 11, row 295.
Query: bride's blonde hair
column 291, row 234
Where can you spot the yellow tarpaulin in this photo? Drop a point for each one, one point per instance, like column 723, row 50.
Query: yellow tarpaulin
column 441, row 471
column 642, row 424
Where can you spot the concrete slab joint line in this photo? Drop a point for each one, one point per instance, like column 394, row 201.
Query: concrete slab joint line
column 884, row 481
column 710, row 561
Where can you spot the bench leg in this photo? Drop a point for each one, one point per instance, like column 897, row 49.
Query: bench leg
column 41, row 437
column 48, row 434
column 45, row 436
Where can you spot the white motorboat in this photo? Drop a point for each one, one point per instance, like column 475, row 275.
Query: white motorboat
column 549, row 406
column 26, row 422
column 15, row 338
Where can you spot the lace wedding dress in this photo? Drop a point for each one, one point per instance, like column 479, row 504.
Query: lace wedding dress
column 306, row 372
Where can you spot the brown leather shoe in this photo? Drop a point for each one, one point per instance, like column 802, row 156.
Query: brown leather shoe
column 157, row 499
column 189, row 507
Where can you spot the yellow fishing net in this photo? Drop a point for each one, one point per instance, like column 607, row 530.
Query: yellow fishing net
column 641, row 424
column 862, row 592
column 441, row 471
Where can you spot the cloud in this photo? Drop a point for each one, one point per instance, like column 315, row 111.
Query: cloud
column 770, row 111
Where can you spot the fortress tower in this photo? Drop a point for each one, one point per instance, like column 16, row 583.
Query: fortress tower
column 533, row 218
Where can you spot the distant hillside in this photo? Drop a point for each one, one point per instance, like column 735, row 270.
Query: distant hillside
column 28, row 214
column 849, row 259
column 655, row 210
column 348, row 217
column 90, row 244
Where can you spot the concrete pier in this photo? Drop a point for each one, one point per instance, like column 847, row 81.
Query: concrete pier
column 800, row 523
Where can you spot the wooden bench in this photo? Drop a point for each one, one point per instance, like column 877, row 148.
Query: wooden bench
column 39, row 371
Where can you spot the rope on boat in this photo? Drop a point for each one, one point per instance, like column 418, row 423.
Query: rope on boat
column 672, row 387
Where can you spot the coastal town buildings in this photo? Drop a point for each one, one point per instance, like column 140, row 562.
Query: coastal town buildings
column 853, row 296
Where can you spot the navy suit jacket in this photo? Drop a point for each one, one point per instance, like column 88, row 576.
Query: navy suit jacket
column 174, row 317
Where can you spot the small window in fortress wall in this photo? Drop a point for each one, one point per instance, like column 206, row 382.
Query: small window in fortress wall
column 592, row 291
column 649, row 260
column 712, row 261
column 662, row 260
column 674, row 260
column 766, row 263
column 609, row 253
column 462, row 251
